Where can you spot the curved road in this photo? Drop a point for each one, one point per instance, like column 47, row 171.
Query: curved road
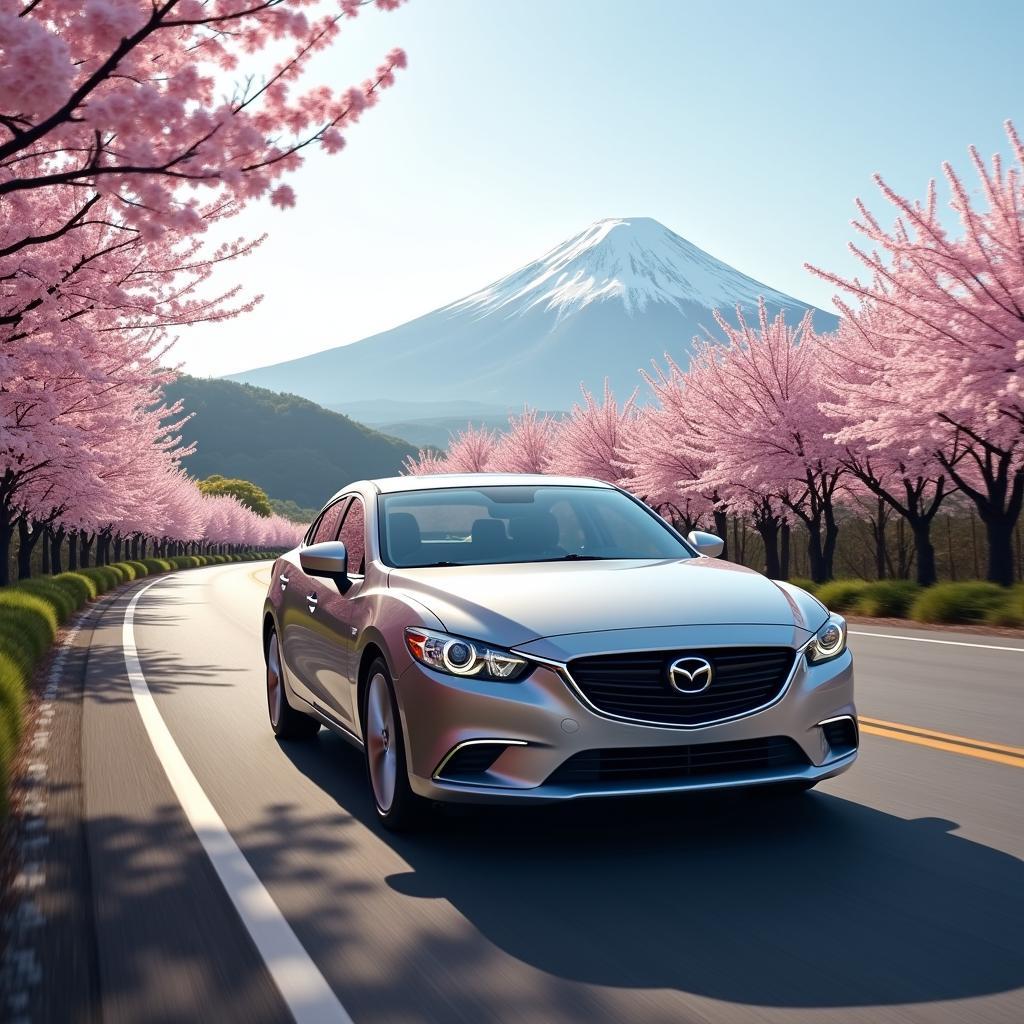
column 894, row 893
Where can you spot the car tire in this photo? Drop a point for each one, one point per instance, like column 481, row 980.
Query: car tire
column 287, row 723
column 398, row 807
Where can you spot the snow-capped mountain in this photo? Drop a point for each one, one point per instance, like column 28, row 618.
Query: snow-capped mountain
column 602, row 304
column 636, row 262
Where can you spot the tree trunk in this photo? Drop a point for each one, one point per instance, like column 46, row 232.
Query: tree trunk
column 784, row 551
column 815, row 552
column 768, row 530
column 56, row 543
column 103, row 547
column 879, row 528
column 72, row 550
column 1000, row 551
column 924, row 551
column 118, row 541
column 85, row 540
column 830, row 539
column 6, row 536
column 44, row 551
column 27, row 539
column 722, row 529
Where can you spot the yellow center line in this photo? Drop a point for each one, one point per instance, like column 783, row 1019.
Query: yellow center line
column 935, row 734
column 254, row 576
column 981, row 749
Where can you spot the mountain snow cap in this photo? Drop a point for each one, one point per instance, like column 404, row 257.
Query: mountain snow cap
column 634, row 260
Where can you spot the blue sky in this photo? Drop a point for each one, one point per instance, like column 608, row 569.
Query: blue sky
column 746, row 127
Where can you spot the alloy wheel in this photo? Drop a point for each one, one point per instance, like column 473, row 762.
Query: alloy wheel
column 381, row 742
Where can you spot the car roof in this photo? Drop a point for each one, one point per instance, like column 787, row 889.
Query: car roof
column 440, row 481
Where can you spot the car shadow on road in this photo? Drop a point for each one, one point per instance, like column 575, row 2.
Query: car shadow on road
column 814, row 901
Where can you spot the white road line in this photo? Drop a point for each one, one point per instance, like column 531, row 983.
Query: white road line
column 298, row 979
column 929, row 640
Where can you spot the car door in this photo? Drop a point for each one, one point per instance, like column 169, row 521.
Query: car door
column 339, row 616
column 303, row 643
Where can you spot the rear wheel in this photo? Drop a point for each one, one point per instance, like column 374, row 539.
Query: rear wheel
column 287, row 723
column 398, row 807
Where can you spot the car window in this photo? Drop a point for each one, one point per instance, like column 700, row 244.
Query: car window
column 353, row 536
column 327, row 527
column 570, row 531
column 516, row 523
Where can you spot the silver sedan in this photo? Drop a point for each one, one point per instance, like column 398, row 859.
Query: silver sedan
column 492, row 638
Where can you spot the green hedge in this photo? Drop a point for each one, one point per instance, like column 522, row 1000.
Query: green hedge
column 970, row 603
column 31, row 611
column 840, row 595
column 882, row 598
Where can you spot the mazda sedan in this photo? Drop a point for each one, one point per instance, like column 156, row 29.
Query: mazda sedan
column 489, row 638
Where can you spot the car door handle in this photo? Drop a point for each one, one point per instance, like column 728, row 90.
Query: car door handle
column 284, row 580
column 311, row 600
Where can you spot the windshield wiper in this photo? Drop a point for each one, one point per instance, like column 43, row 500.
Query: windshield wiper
column 439, row 565
column 574, row 557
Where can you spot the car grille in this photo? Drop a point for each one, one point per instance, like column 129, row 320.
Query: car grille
column 735, row 759
column 636, row 685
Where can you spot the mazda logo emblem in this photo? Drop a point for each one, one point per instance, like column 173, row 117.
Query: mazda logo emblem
column 690, row 675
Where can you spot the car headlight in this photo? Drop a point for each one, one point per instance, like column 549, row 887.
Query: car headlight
column 461, row 657
column 830, row 641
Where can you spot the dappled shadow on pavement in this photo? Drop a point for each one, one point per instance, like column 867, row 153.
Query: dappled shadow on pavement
column 165, row 673
column 812, row 902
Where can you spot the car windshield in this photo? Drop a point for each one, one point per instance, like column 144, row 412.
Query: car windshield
column 503, row 524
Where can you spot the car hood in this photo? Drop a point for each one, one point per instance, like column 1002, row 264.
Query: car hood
column 515, row 604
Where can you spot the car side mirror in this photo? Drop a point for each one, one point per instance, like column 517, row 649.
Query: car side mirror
column 706, row 543
column 328, row 559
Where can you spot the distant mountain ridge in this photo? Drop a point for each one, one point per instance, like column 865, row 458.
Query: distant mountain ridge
column 603, row 304
column 288, row 445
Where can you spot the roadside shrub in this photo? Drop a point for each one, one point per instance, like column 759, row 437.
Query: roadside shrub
column 841, row 595
column 62, row 600
column 1011, row 611
column 105, row 577
column 14, row 677
column 966, row 603
column 28, row 624
column 81, row 586
column 156, row 565
column 139, row 567
column 887, row 598
column 124, row 569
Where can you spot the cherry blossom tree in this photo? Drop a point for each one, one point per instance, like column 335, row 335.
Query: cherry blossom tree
column 526, row 446
column 754, row 405
column 586, row 443
column 117, row 153
column 654, row 466
column 112, row 110
column 470, row 451
column 907, row 478
column 425, row 462
column 939, row 325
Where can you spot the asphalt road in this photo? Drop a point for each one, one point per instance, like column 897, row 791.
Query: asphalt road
column 894, row 893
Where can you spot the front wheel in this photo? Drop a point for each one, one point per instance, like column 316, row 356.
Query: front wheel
column 287, row 723
column 398, row 807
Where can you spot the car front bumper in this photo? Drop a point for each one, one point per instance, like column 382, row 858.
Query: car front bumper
column 536, row 725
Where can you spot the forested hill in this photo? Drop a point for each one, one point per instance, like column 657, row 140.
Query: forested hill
column 293, row 448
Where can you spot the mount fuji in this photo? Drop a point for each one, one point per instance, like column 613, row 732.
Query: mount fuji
column 602, row 304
